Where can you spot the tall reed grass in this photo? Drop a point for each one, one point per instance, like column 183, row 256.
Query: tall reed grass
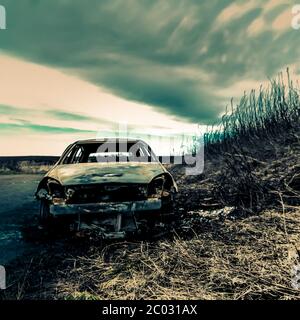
column 259, row 115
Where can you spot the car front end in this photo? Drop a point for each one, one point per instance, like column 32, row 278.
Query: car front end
column 112, row 199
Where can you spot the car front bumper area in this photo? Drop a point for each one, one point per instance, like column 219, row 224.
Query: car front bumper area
column 105, row 207
column 114, row 220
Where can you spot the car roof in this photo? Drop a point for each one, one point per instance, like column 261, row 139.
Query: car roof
column 102, row 140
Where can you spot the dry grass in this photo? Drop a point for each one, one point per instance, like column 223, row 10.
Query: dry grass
column 213, row 257
column 259, row 115
column 247, row 259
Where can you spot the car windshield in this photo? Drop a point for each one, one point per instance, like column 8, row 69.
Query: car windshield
column 109, row 152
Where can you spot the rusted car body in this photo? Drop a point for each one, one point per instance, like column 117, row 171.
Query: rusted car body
column 114, row 187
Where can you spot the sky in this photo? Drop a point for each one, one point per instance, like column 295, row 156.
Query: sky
column 72, row 70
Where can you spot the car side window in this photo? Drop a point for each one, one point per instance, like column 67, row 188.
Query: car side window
column 77, row 155
column 68, row 157
column 144, row 152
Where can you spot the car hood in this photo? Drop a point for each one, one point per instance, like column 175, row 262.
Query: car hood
column 90, row 173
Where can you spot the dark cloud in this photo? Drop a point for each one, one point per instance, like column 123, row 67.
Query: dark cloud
column 136, row 47
column 30, row 127
column 68, row 116
column 9, row 110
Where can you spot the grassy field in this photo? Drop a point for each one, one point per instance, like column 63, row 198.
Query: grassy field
column 26, row 164
column 239, row 235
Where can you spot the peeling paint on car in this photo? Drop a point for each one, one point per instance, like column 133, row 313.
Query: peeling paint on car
column 91, row 173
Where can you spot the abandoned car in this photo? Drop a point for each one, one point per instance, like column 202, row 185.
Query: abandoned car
column 114, row 187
